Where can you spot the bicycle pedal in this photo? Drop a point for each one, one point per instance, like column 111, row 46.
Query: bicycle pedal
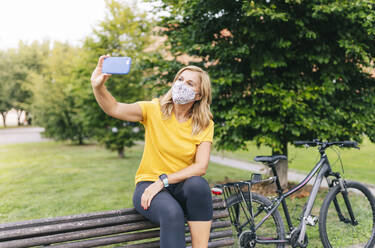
column 311, row 220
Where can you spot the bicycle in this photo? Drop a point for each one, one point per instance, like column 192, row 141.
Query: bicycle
column 348, row 206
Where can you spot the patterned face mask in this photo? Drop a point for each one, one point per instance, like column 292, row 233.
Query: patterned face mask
column 181, row 93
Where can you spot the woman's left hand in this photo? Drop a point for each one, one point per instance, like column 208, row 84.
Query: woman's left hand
column 150, row 192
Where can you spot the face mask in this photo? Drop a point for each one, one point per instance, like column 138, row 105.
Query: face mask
column 181, row 93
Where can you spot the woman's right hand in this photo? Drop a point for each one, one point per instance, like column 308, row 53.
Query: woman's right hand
column 97, row 77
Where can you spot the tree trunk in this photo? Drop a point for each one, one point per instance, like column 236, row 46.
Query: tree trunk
column 282, row 166
column 28, row 118
column 121, row 152
column 80, row 135
column 80, row 140
column 282, row 172
column 19, row 113
column 4, row 115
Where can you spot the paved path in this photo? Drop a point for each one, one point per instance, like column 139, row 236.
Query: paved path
column 21, row 135
column 257, row 168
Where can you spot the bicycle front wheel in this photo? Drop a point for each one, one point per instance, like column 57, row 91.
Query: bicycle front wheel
column 271, row 229
column 336, row 227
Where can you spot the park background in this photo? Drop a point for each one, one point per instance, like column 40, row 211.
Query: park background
column 281, row 71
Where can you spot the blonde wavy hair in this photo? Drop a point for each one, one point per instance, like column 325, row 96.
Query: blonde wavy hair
column 200, row 111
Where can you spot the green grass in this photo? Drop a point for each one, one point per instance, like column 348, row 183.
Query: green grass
column 52, row 179
column 48, row 179
column 358, row 164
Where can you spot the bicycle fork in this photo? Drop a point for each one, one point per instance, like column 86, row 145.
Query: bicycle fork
column 345, row 194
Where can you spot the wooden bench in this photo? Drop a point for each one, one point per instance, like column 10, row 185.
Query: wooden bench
column 125, row 228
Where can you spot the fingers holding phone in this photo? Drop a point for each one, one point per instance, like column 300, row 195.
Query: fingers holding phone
column 98, row 78
column 107, row 66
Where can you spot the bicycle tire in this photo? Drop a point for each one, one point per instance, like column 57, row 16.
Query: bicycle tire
column 275, row 223
column 336, row 233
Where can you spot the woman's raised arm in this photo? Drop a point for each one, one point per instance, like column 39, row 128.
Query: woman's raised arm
column 122, row 111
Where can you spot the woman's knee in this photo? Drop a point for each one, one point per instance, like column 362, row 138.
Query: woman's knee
column 198, row 199
column 197, row 185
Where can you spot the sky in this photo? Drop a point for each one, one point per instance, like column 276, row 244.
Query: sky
column 62, row 20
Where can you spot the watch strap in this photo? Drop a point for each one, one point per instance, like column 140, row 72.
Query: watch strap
column 164, row 179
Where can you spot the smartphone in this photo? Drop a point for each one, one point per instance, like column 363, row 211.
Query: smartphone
column 116, row 65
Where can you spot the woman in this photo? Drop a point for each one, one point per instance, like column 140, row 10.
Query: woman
column 178, row 137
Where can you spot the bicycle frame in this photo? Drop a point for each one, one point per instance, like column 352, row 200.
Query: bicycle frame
column 323, row 169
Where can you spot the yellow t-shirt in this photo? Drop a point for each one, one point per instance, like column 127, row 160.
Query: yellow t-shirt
column 169, row 144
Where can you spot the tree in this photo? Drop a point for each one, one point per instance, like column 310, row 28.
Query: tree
column 281, row 70
column 5, row 100
column 124, row 32
column 13, row 74
column 15, row 68
column 56, row 102
column 32, row 58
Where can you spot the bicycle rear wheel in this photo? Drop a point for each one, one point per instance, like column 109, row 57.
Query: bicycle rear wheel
column 338, row 231
column 271, row 229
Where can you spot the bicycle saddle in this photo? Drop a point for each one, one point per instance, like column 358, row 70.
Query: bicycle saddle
column 269, row 159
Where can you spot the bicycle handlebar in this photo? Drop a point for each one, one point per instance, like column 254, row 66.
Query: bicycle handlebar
column 350, row 144
column 326, row 144
column 308, row 143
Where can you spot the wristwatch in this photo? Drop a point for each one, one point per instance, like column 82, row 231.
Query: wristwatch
column 164, row 179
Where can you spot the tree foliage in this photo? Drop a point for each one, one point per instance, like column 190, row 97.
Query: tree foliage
column 5, row 86
column 15, row 67
column 124, row 32
column 281, row 70
column 56, row 101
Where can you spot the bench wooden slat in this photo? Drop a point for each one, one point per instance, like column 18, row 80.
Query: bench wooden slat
column 77, row 235
column 71, row 236
column 68, row 227
column 66, row 219
column 215, row 235
column 212, row 243
column 217, row 204
column 153, row 244
column 109, row 240
column 81, row 225
column 131, row 237
column 221, row 243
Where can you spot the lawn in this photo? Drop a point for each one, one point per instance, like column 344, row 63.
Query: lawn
column 52, row 179
column 358, row 164
column 49, row 179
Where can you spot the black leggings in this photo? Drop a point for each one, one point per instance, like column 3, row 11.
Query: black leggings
column 191, row 197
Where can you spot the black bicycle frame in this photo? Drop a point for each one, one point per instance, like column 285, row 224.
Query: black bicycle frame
column 324, row 169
